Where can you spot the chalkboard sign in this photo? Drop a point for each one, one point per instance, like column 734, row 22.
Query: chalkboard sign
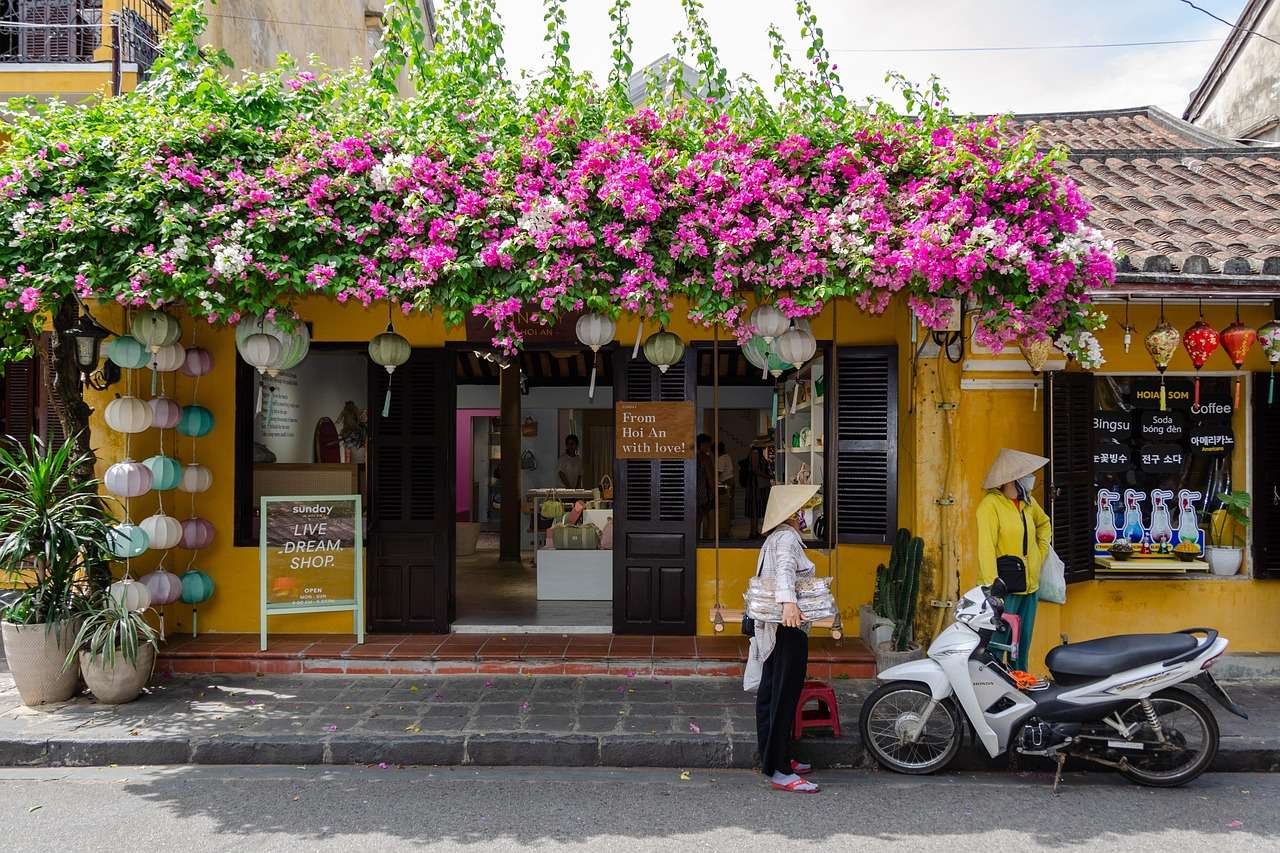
column 1114, row 426
column 311, row 556
column 1111, row 457
column 1161, row 458
column 1212, row 436
column 1158, row 426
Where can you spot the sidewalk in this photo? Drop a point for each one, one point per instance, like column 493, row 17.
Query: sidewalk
column 687, row 722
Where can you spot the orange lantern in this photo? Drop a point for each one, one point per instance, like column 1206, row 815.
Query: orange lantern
column 1200, row 342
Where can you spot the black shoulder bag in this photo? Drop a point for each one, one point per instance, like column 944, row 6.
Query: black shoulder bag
column 1013, row 569
column 749, row 624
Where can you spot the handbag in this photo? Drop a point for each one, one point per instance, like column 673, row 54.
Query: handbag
column 528, row 461
column 529, row 428
column 749, row 624
column 1013, row 569
column 1053, row 579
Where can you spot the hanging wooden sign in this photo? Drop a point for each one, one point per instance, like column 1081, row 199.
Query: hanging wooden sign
column 654, row 430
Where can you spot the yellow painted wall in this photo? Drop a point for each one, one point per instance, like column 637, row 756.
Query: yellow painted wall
column 69, row 82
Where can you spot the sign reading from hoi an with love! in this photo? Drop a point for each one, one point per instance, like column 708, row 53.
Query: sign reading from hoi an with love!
column 311, row 554
column 654, row 430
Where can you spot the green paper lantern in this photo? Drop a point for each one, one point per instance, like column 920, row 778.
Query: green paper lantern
column 196, row 421
column 166, row 472
column 127, row 541
column 295, row 343
column 663, row 349
column 197, row 587
column 758, row 352
column 125, row 351
column 155, row 329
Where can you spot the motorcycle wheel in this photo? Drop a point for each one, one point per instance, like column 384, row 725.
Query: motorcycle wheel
column 888, row 715
column 1188, row 725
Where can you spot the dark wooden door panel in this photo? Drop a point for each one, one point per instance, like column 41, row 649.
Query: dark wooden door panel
column 1266, row 480
column 1069, row 491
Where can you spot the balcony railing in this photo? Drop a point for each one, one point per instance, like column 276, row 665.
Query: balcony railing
column 73, row 31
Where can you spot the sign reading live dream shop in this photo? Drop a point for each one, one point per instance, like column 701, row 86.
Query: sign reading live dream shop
column 654, row 430
column 311, row 556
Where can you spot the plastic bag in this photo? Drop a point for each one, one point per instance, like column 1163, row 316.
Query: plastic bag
column 1053, row 579
column 813, row 598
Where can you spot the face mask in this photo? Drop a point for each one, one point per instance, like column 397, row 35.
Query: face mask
column 1026, row 484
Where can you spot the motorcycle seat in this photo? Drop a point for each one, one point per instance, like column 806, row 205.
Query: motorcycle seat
column 1106, row 656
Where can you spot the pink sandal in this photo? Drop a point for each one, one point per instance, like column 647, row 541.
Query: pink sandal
column 799, row 786
column 801, row 769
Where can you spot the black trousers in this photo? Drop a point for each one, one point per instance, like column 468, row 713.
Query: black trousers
column 777, row 698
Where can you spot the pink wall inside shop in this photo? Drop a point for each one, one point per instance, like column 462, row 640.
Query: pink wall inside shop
column 462, row 459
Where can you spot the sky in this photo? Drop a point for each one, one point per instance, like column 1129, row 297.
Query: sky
column 979, row 82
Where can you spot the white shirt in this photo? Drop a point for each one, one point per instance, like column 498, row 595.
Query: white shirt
column 571, row 468
column 724, row 469
column 782, row 558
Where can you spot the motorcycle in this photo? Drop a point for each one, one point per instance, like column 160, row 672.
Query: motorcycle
column 1112, row 701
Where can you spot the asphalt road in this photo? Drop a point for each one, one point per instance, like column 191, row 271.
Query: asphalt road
column 264, row 809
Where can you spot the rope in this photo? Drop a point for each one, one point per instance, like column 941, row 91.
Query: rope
column 715, row 445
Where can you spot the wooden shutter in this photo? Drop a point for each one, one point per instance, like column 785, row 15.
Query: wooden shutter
column 49, row 36
column 19, row 399
column 866, row 427
column 411, row 500
column 1265, row 485
column 1069, row 438
column 654, row 552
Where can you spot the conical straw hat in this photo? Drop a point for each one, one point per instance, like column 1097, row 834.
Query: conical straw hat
column 784, row 502
column 1012, row 465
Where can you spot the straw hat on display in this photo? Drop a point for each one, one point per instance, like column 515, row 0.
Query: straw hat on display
column 784, row 502
column 1012, row 465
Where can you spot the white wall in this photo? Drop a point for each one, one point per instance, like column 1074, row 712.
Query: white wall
column 316, row 388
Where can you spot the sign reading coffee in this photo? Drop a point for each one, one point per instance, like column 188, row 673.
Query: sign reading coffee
column 654, row 430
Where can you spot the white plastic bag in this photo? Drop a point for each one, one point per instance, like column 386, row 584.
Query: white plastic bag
column 1053, row 579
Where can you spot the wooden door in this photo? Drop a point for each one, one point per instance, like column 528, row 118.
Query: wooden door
column 409, row 568
column 655, row 516
column 1069, row 487
column 1265, row 485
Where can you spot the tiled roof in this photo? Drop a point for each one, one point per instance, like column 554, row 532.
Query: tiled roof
column 1180, row 203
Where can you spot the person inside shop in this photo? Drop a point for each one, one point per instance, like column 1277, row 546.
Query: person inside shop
column 758, row 482
column 706, row 483
column 779, row 654
column 724, row 482
column 570, row 467
column 1013, row 539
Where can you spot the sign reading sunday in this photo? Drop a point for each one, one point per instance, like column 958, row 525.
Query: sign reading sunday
column 311, row 557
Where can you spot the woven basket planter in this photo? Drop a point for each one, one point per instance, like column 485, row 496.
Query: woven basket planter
column 886, row 657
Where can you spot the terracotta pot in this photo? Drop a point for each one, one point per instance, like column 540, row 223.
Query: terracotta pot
column 121, row 681
column 36, row 656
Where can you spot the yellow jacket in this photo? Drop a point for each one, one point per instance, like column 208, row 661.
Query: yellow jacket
column 1000, row 526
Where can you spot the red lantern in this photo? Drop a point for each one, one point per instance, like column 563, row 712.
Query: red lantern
column 1200, row 341
column 1237, row 340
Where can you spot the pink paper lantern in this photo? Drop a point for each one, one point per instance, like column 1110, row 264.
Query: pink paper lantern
column 128, row 479
column 165, row 587
column 165, row 413
column 198, row 362
column 197, row 533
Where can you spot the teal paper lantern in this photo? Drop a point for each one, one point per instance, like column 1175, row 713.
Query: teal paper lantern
column 197, row 587
column 166, row 472
column 196, row 421
column 127, row 352
column 758, row 352
column 127, row 541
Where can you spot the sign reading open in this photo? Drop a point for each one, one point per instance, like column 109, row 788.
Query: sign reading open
column 654, row 430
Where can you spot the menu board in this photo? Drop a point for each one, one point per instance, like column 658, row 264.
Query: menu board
column 654, row 430
column 311, row 556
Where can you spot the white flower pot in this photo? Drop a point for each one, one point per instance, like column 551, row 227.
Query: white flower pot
column 122, row 681
column 866, row 621
column 881, row 632
column 36, row 654
column 1225, row 561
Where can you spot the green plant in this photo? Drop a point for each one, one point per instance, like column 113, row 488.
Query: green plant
column 109, row 628
column 52, row 528
column 898, row 586
column 1233, row 515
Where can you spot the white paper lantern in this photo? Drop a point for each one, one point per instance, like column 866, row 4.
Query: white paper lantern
column 197, row 533
column 168, row 358
column 131, row 593
column 128, row 414
column 197, row 362
column 165, row 412
column 595, row 330
column 769, row 322
column 165, row 587
column 163, row 531
column 128, row 479
column 295, row 343
column 262, row 351
column 796, row 346
column 196, row 478
column 155, row 329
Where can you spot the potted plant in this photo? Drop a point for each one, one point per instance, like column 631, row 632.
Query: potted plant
column 52, row 528
column 1226, row 528
column 900, row 589
column 115, row 649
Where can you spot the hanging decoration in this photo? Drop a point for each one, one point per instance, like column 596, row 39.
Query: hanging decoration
column 1200, row 342
column 594, row 331
column 166, row 472
column 127, row 479
column 197, row 588
column 197, row 362
column 128, row 415
column 796, row 346
column 1162, row 343
column 155, row 329
column 197, row 533
column 126, row 541
column 165, row 413
column 769, row 322
column 1269, row 337
column 127, row 352
column 758, row 353
column 663, row 349
column 389, row 350
column 130, row 593
column 196, row 421
column 262, row 352
column 165, row 588
column 635, row 350
column 163, row 531
column 1036, row 351
column 1128, row 329
column 295, row 343
column 1237, row 340
column 196, row 478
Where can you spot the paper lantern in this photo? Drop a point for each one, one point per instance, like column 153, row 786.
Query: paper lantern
column 1237, row 340
column 769, row 322
column 163, row 531
column 595, row 330
column 155, row 329
column 1162, row 343
column 126, row 541
column 1200, row 341
column 262, row 351
column 196, row 478
column 295, row 342
column 132, row 594
column 166, row 472
column 128, row 479
column 197, row 587
column 757, row 352
column 1036, row 351
column 197, row 533
column 168, row 358
column 196, row 421
column 796, row 346
column 165, row 413
column 165, row 587
column 663, row 349
column 389, row 350
column 127, row 352
column 197, row 362
column 1269, row 337
column 128, row 415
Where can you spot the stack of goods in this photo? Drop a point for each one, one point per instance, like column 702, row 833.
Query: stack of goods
column 813, row 597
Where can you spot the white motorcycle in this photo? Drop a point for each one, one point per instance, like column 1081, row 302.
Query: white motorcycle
column 1112, row 701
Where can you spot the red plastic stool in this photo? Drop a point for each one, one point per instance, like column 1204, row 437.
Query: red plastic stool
column 825, row 716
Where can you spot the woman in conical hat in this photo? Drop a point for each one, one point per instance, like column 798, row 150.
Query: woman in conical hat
column 1011, row 528
column 780, row 652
